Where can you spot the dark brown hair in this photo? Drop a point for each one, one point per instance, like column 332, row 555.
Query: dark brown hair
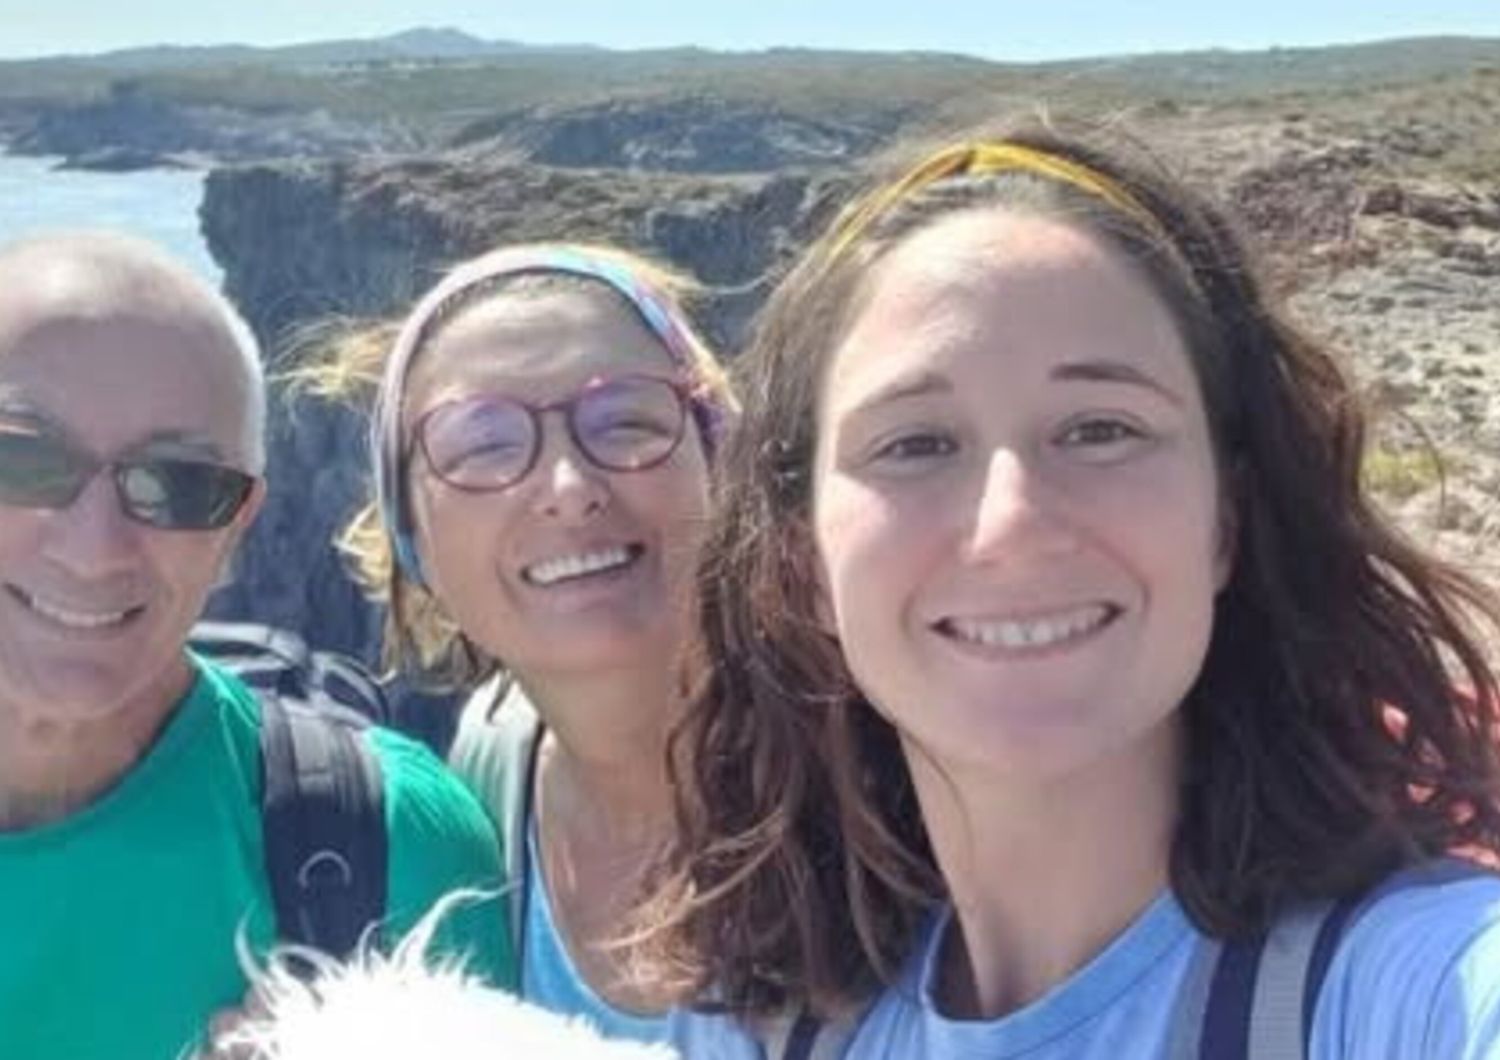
column 1324, row 742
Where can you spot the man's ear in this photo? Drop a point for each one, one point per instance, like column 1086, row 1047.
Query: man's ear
column 235, row 532
column 248, row 511
column 251, row 508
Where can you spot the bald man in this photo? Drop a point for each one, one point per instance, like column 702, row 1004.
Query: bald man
column 132, row 408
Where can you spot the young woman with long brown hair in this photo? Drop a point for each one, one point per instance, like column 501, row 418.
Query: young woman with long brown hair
column 1062, row 682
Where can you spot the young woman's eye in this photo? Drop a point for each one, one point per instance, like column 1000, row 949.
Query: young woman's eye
column 1100, row 432
column 921, row 445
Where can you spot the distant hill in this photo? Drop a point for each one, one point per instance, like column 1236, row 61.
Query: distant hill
column 77, row 106
column 1343, row 67
column 432, row 87
column 419, row 44
column 437, row 73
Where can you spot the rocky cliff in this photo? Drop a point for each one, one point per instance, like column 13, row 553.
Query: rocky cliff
column 698, row 134
column 1380, row 212
column 306, row 242
column 133, row 123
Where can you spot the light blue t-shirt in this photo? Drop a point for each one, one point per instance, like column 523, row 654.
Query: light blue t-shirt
column 1417, row 977
column 549, row 979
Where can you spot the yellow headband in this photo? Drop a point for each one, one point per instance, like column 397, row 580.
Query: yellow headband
column 986, row 158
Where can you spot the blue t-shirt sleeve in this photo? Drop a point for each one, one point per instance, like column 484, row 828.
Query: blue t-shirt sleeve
column 1417, row 978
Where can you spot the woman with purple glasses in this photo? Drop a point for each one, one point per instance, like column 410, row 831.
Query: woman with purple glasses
column 543, row 432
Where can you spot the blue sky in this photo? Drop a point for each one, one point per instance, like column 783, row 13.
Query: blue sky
column 1000, row 29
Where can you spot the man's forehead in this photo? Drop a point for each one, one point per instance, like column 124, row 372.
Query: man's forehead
column 19, row 412
column 115, row 297
column 124, row 348
column 96, row 277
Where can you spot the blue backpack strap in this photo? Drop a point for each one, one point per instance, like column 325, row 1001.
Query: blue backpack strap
column 1324, row 947
column 1258, row 996
column 800, row 1035
column 781, row 1036
column 1347, row 911
column 1231, row 991
column 1280, row 1015
column 323, row 820
column 1264, row 991
column 1186, row 1031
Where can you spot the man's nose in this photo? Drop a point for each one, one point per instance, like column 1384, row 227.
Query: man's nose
column 92, row 536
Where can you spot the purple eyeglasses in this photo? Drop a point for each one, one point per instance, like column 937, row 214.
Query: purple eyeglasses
column 491, row 441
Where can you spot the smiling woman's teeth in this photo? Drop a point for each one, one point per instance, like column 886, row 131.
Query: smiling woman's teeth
column 1037, row 633
column 551, row 571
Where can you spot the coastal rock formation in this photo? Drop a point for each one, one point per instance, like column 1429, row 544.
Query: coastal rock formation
column 694, row 135
column 304, row 243
column 1379, row 213
column 140, row 118
column 132, row 122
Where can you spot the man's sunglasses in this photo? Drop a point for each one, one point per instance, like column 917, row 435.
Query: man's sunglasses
column 40, row 470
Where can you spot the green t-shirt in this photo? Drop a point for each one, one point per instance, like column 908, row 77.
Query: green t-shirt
column 118, row 923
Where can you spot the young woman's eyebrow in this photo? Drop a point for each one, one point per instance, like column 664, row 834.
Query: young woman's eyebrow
column 904, row 388
column 1114, row 372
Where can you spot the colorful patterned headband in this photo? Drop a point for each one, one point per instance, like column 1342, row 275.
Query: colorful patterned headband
column 981, row 159
column 659, row 313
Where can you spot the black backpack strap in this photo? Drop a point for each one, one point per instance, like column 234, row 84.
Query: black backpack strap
column 323, row 821
column 343, row 680
column 278, row 662
column 264, row 657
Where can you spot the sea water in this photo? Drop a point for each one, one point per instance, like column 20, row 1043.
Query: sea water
column 157, row 204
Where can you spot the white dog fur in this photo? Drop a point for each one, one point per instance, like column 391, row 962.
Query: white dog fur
column 402, row 1007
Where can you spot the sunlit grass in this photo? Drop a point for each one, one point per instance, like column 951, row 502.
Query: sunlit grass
column 1400, row 474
